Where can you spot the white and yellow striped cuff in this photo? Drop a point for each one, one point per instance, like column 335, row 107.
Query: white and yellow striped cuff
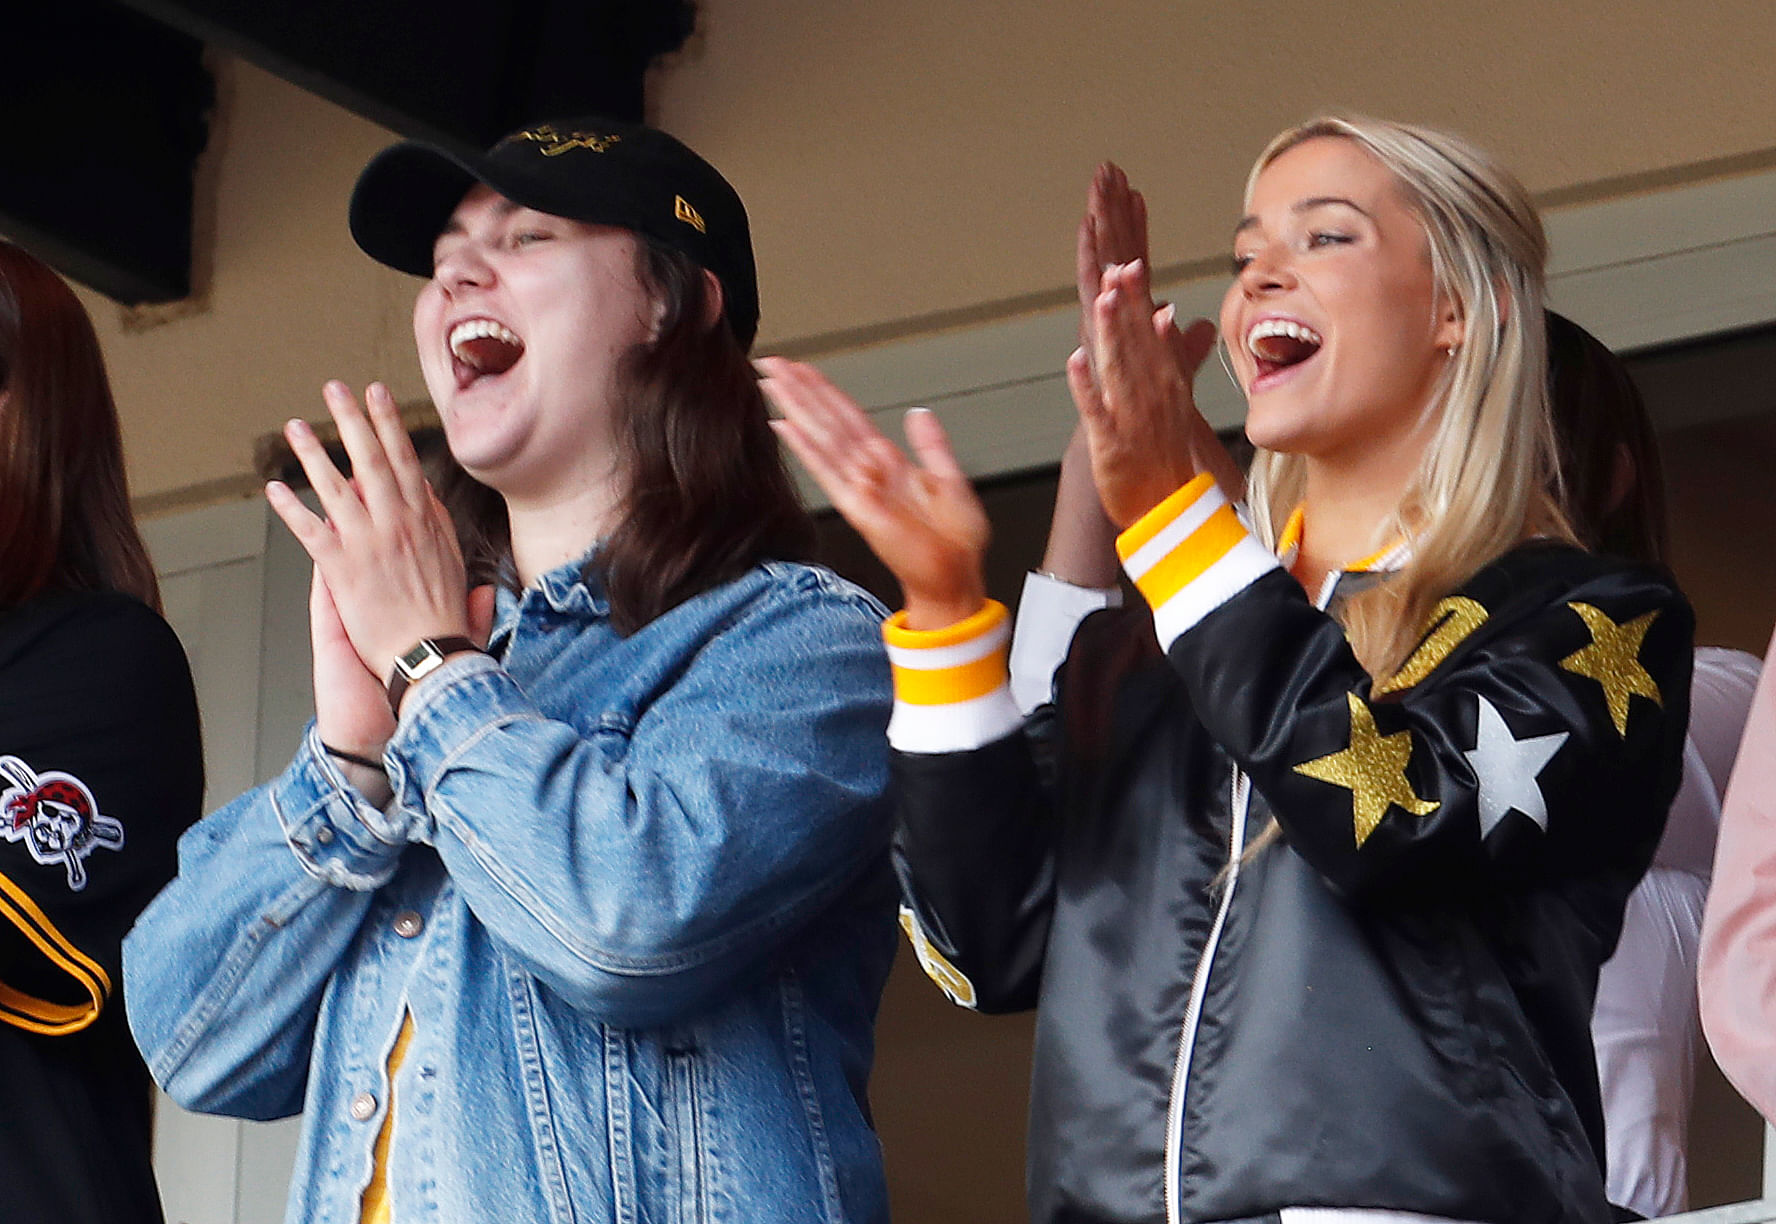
column 1189, row 555
column 952, row 686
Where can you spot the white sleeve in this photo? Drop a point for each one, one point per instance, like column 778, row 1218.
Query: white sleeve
column 1645, row 1029
column 1720, row 699
column 1049, row 612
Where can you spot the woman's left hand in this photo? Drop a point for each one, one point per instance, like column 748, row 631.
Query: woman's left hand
column 1134, row 398
column 385, row 549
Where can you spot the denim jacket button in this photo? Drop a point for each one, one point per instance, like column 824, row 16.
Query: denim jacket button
column 323, row 835
column 408, row 923
column 363, row 1106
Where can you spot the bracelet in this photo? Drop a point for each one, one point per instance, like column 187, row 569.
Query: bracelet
column 354, row 758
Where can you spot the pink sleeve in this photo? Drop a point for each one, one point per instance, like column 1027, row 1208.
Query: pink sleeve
column 1738, row 960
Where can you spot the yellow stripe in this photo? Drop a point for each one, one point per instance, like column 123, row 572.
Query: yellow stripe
column 37, row 1015
column 29, row 908
column 1195, row 554
column 1162, row 516
column 1368, row 563
column 1291, row 537
column 949, row 685
column 895, row 632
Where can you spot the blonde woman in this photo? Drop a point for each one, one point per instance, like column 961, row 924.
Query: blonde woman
column 1310, row 867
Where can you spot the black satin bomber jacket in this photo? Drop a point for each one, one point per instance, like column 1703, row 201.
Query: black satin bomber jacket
column 1395, row 1009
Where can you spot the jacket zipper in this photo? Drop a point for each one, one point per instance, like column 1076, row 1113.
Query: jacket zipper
column 1199, row 988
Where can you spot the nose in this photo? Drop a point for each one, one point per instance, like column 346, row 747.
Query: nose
column 461, row 266
column 1268, row 270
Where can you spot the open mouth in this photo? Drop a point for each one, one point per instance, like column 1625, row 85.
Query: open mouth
column 1277, row 344
column 483, row 348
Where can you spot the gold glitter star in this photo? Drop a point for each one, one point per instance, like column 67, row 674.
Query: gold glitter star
column 1374, row 768
column 1613, row 660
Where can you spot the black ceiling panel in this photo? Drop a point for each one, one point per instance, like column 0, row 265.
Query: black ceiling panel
column 106, row 113
column 463, row 72
column 108, row 101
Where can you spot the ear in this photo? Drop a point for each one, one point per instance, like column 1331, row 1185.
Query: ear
column 1451, row 327
column 713, row 299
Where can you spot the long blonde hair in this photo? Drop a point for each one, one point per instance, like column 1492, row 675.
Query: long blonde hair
column 1488, row 478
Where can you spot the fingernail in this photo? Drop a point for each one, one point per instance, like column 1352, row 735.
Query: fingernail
column 1170, row 312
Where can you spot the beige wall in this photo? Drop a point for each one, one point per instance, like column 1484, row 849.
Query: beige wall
column 918, row 164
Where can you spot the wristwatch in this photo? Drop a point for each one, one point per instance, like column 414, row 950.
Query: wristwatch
column 426, row 657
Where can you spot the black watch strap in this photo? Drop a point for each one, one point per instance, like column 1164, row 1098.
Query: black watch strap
column 426, row 656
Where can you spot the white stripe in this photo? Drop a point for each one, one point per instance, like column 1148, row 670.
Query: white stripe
column 941, row 658
column 1173, row 534
column 956, row 727
column 1240, row 800
column 1243, row 564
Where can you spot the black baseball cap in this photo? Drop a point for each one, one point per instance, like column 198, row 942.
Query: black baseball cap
column 593, row 169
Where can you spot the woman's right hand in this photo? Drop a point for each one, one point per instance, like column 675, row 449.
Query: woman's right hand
column 922, row 519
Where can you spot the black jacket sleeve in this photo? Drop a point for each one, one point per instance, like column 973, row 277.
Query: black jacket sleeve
column 1538, row 728
column 101, row 769
column 974, row 850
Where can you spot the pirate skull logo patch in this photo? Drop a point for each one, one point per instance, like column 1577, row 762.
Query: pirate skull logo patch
column 55, row 816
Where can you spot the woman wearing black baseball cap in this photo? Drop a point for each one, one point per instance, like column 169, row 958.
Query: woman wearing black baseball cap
column 574, row 903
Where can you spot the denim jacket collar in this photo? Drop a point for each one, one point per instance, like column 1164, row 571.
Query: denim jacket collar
column 574, row 588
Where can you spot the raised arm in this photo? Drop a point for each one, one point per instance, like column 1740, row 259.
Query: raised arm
column 973, row 846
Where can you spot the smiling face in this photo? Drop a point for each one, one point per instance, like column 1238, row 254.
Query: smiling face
column 1334, row 322
column 521, row 333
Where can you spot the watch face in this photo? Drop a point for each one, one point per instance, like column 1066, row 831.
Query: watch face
column 417, row 656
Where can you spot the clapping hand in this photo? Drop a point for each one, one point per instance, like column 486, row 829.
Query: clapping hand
column 920, row 516
column 387, row 568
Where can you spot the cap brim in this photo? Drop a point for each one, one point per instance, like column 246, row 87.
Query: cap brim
column 403, row 200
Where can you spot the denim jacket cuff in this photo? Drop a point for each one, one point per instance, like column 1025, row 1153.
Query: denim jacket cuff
column 456, row 704
column 337, row 835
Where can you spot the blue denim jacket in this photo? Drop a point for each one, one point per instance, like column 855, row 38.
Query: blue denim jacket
column 633, row 891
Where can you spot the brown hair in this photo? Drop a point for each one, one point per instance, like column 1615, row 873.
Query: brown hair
column 65, row 521
column 1603, row 433
column 706, row 494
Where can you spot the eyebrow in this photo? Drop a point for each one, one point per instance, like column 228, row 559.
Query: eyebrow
column 1304, row 206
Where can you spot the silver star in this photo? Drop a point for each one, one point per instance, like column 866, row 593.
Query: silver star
column 1506, row 768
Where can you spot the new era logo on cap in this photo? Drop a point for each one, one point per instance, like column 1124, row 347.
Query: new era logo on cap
column 681, row 208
